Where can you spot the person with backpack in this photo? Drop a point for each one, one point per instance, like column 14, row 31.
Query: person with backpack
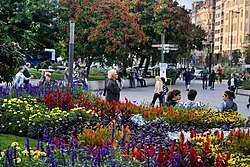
column 165, row 90
column 228, row 104
column 204, row 76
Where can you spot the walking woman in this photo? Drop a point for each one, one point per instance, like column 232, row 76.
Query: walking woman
column 158, row 90
column 228, row 104
column 173, row 98
column 212, row 77
column 113, row 90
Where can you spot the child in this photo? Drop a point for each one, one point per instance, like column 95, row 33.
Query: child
column 173, row 98
column 165, row 90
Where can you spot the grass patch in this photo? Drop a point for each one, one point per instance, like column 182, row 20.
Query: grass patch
column 6, row 140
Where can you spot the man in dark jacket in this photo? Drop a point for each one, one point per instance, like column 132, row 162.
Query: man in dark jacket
column 113, row 90
column 26, row 73
column 204, row 76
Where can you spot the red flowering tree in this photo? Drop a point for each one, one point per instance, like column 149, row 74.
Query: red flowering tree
column 104, row 29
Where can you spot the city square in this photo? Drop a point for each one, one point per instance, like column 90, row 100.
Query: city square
column 121, row 83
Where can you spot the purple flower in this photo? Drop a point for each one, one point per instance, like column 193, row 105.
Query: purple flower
column 27, row 144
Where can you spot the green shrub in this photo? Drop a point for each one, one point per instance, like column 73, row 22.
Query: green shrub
column 171, row 73
column 227, row 71
column 246, row 85
column 98, row 71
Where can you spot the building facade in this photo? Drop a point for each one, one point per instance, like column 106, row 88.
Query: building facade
column 229, row 27
column 203, row 15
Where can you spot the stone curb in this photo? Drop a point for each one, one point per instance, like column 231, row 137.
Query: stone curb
column 243, row 92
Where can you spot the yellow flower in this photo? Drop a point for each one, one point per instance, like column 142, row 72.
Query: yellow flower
column 10, row 123
column 14, row 144
column 20, row 131
column 18, row 160
column 5, row 100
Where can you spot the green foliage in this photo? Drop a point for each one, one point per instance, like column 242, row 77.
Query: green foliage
column 33, row 24
column 171, row 73
column 227, row 71
column 45, row 64
column 247, row 51
column 23, row 116
column 11, row 58
column 246, row 84
column 6, row 141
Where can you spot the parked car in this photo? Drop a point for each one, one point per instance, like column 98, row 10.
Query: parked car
column 197, row 74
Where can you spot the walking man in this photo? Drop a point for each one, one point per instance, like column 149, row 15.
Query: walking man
column 204, row 76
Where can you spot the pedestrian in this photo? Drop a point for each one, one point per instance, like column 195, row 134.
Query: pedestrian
column 173, row 98
column 20, row 78
column 232, row 82
column 188, row 77
column 228, row 104
column 140, row 78
column 212, row 78
column 165, row 89
column 66, row 73
column 42, row 78
column 26, row 73
column 248, row 102
column 157, row 91
column 132, row 77
column 204, row 76
column 219, row 72
column 113, row 90
column 120, row 79
column 192, row 70
column 47, row 78
column 191, row 100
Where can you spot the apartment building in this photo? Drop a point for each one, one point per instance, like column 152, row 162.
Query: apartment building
column 231, row 24
column 203, row 15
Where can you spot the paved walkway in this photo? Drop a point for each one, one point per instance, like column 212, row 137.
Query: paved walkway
column 213, row 97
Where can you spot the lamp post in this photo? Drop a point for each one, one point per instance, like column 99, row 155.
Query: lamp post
column 231, row 37
column 71, row 50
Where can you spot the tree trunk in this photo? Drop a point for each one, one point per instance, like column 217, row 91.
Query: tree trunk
column 141, row 61
column 89, row 62
column 146, row 66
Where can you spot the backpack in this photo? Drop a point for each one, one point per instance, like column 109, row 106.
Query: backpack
column 204, row 73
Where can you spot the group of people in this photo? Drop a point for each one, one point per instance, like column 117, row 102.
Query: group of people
column 174, row 97
column 208, row 79
column 23, row 76
column 136, row 75
column 79, row 76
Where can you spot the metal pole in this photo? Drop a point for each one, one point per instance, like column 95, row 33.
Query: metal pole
column 231, row 41
column 210, row 57
column 162, row 48
column 71, row 50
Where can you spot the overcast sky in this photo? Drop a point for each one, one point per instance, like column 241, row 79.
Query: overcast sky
column 187, row 3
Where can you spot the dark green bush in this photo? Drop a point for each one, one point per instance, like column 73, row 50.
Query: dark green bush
column 171, row 73
column 246, row 85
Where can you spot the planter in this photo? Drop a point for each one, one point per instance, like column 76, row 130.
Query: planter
column 243, row 92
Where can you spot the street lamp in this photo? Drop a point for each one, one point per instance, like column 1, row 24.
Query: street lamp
column 71, row 50
column 231, row 38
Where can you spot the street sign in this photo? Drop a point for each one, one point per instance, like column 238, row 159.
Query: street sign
column 167, row 49
column 164, row 45
column 157, row 45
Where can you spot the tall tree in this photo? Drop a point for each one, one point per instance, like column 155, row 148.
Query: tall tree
column 247, row 51
column 31, row 23
column 104, row 29
column 10, row 54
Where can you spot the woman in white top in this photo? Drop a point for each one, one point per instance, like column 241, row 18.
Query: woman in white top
column 20, row 78
column 158, row 90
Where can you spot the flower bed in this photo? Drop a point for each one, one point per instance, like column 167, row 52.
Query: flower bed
column 80, row 129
